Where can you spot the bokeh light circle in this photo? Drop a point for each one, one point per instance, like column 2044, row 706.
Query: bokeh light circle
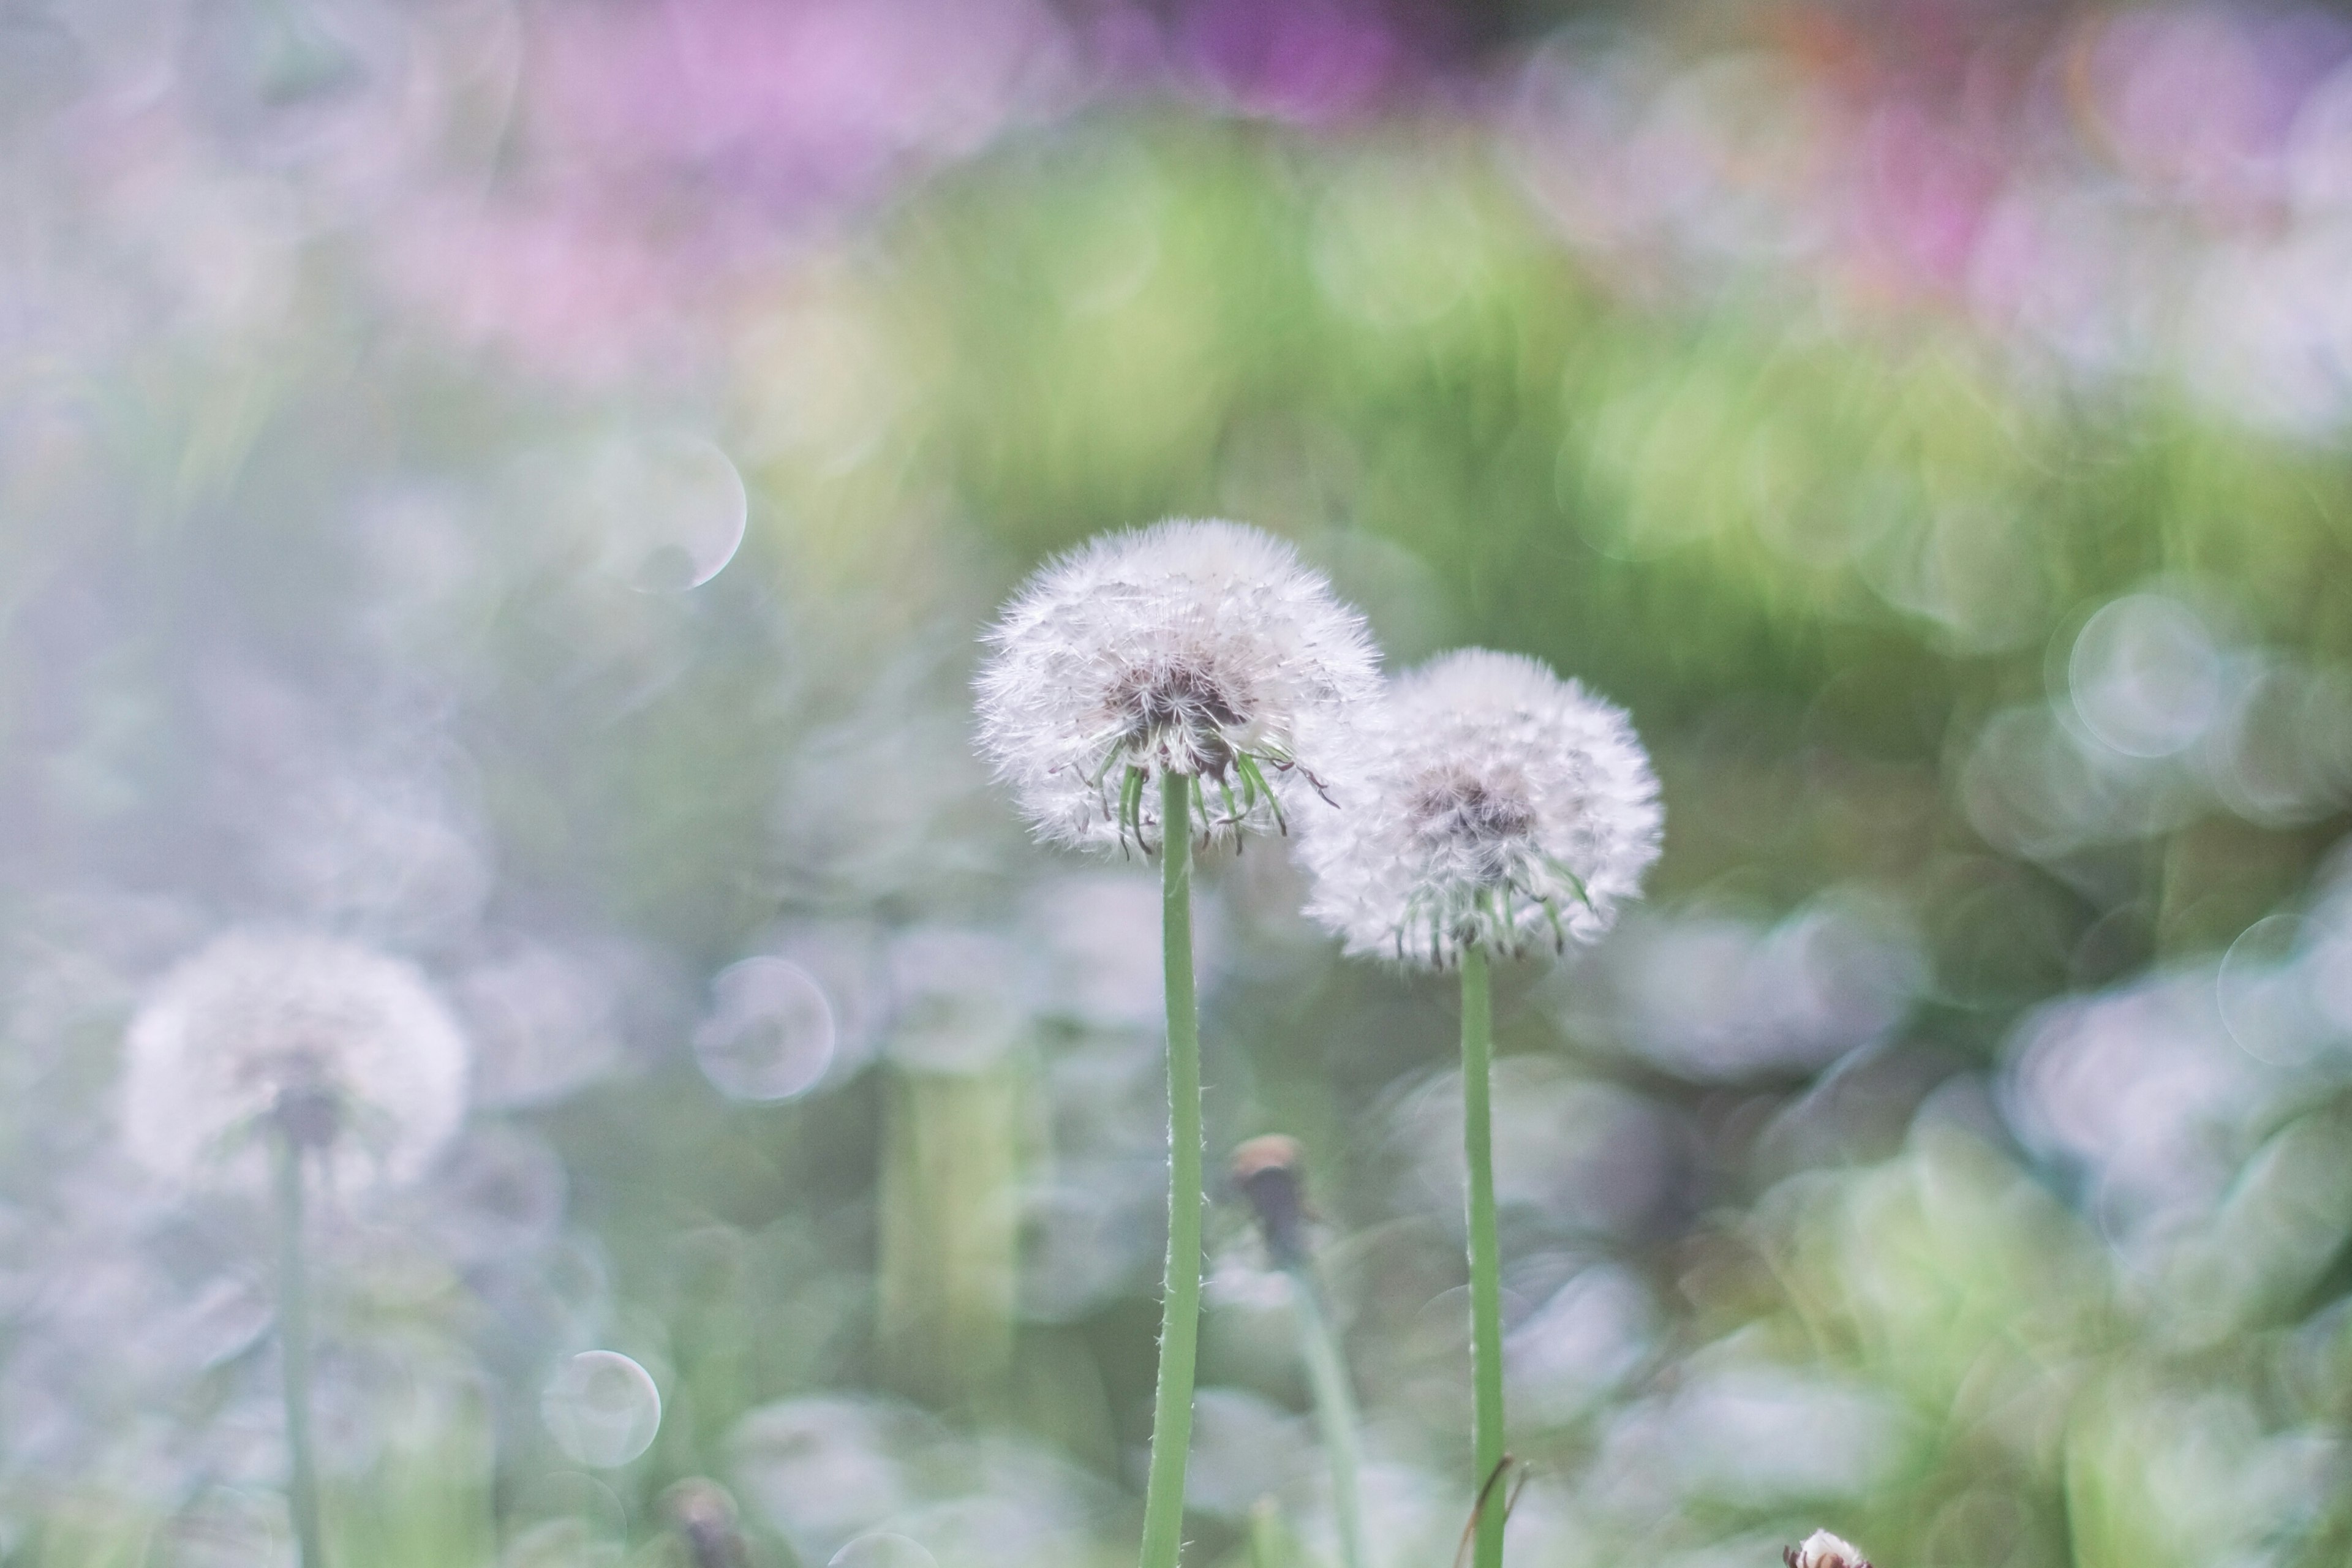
column 2145, row 675
column 770, row 1032
column 883, row 1549
column 670, row 508
column 602, row 1408
column 2265, row 993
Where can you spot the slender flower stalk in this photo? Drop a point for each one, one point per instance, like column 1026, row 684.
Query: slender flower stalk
column 1487, row 1456
column 1269, row 1173
column 294, row 1344
column 1487, row 808
column 1180, row 1314
column 1148, row 690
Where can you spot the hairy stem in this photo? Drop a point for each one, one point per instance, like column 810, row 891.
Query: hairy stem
column 1486, row 1260
column 1180, row 1320
column 294, row 1345
column 1335, row 1408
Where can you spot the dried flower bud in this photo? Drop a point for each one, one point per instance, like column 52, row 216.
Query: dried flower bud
column 1823, row 1550
column 704, row 1514
column 1269, row 1174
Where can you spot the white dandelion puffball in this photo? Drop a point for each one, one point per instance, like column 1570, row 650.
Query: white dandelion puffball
column 1486, row 802
column 1823, row 1550
column 1204, row 650
column 347, row 1048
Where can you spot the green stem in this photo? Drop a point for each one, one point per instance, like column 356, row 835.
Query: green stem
column 1335, row 1409
column 294, row 1344
column 1180, row 1320
column 1485, row 1256
column 1269, row 1544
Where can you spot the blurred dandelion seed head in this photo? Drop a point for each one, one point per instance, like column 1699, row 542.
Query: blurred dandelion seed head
column 1486, row 802
column 1823, row 1550
column 349, row 1049
column 1202, row 650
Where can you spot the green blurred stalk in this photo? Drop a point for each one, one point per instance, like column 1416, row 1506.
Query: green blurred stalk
column 294, row 1344
column 1335, row 1408
column 1485, row 1256
column 1269, row 1543
column 1179, row 1318
column 948, row 1239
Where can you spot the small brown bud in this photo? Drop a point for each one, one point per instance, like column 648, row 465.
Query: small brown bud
column 1823, row 1550
column 1270, row 1174
column 705, row 1515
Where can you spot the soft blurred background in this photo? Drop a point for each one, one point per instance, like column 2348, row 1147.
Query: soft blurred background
column 516, row 482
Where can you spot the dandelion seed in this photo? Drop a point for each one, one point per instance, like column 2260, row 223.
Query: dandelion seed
column 1823, row 1550
column 345, row 1052
column 1486, row 802
column 1199, row 649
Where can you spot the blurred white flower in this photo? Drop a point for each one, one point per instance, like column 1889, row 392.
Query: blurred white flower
column 351, row 1045
column 1712, row 995
column 2145, row 1091
column 1203, row 649
column 1593, row 1333
column 824, row 1469
column 1486, row 802
column 1751, row 1432
column 1244, row 1446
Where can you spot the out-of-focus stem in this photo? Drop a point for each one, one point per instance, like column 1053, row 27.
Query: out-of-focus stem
column 1486, row 1259
column 1270, row 1172
column 1335, row 1408
column 1269, row 1544
column 1180, row 1320
column 947, row 1234
column 294, row 1345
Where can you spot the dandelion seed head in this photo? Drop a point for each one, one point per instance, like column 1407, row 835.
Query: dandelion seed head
column 348, row 1051
column 1204, row 650
column 1484, row 801
column 1823, row 1550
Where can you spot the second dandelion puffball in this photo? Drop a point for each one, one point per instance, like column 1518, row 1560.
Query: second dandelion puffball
column 1485, row 800
column 349, row 1049
column 1204, row 650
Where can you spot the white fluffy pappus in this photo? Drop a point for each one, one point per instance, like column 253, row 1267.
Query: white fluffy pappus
column 349, row 1048
column 1485, row 802
column 1823, row 1550
column 1199, row 648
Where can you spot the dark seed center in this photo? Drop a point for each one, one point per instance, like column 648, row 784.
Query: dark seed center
column 1180, row 702
column 1486, row 817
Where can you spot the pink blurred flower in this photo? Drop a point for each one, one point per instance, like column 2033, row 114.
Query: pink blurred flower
column 1307, row 60
column 786, row 101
